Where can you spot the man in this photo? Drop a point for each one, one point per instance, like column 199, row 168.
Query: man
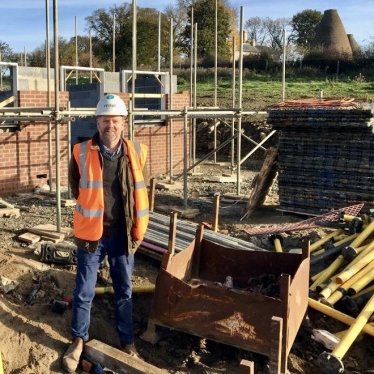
column 107, row 176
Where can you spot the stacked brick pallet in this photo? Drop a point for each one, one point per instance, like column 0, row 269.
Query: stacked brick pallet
column 326, row 158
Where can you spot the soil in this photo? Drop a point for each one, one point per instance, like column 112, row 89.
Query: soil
column 33, row 337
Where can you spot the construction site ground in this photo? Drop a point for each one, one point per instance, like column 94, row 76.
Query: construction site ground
column 33, row 337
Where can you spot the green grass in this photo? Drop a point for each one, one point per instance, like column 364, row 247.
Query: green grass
column 262, row 90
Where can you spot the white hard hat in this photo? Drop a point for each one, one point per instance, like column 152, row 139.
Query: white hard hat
column 111, row 105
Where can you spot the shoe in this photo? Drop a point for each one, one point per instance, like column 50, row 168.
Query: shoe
column 70, row 360
column 129, row 349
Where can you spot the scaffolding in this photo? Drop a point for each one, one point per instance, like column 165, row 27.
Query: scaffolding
column 67, row 114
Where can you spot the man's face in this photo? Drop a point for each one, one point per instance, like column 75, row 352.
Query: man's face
column 110, row 128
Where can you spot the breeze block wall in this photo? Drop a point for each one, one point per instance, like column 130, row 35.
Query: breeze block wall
column 24, row 162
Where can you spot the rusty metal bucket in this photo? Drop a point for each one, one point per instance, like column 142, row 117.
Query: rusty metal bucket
column 190, row 297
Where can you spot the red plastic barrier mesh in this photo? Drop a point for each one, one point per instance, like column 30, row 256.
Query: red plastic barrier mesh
column 332, row 216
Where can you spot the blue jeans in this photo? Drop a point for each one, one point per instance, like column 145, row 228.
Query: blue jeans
column 121, row 268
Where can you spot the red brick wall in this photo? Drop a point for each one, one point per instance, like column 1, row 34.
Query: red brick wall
column 24, row 154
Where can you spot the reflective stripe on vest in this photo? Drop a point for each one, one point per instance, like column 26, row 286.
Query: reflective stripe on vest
column 89, row 211
column 84, row 182
column 137, row 154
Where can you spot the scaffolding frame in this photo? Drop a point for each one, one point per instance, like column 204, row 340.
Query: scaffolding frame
column 67, row 115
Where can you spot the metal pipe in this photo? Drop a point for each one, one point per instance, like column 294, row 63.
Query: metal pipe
column 90, row 37
column 48, row 66
column 191, row 56
column 343, row 288
column 1, row 75
column 215, row 51
column 146, row 72
column 240, row 99
column 284, row 67
column 195, row 88
column 257, row 146
column 114, row 43
column 69, row 149
column 159, row 43
column 207, row 156
column 327, row 273
column 215, row 79
column 209, row 235
column 76, row 50
column 57, row 125
column 171, row 102
column 331, row 361
column 357, row 264
column 339, row 316
column 336, row 248
column 147, row 288
column 362, row 282
column 233, row 103
column 134, row 65
column 82, row 68
column 185, row 140
column 188, row 235
column 192, row 113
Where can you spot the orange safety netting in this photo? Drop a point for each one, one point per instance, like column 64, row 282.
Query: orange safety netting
column 316, row 103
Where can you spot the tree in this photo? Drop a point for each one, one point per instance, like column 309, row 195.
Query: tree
column 66, row 49
column 101, row 23
column 304, row 26
column 37, row 57
column 256, row 30
column 274, row 29
column 179, row 15
column 267, row 31
column 7, row 53
column 204, row 16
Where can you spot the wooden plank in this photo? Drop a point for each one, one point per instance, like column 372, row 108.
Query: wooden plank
column 68, row 202
column 223, row 179
column 68, row 231
column 48, row 234
column 28, row 237
column 263, row 181
column 114, row 359
column 276, row 328
column 172, row 233
column 7, row 101
column 185, row 213
column 169, row 186
column 7, row 205
column 246, row 367
column 215, row 213
column 152, row 189
column 9, row 212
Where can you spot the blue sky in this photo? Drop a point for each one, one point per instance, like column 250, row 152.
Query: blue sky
column 22, row 22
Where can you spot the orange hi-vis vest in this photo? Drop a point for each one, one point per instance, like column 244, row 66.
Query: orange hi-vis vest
column 89, row 210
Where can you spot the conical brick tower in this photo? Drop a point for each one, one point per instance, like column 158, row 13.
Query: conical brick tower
column 331, row 35
column 355, row 47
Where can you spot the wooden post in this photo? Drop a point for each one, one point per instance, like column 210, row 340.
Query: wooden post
column 246, row 367
column 172, row 232
column 276, row 345
column 215, row 213
column 152, row 188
